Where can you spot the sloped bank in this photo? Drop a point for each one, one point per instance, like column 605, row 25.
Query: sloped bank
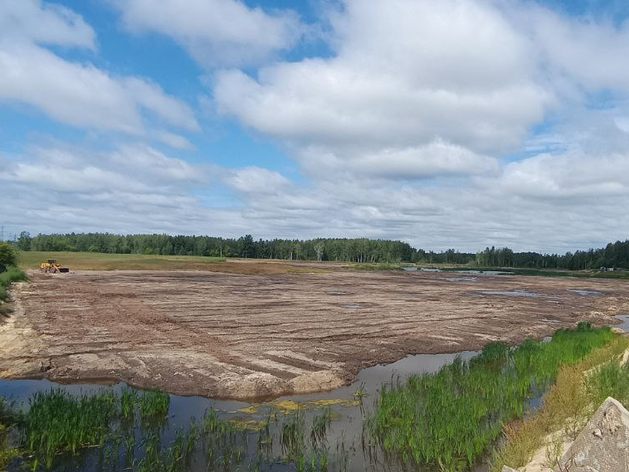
column 560, row 436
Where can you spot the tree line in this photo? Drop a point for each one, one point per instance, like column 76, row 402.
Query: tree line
column 329, row 249
column 320, row 249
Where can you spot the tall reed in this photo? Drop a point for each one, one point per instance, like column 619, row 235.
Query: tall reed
column 450, row 418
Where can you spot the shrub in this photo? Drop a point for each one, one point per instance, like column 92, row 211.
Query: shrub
column 8, row 256
column 12, row 275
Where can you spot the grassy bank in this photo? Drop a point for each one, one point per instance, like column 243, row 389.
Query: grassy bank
column 13, row 274
column 98, row 261
column 450, row 419
column 578, row 391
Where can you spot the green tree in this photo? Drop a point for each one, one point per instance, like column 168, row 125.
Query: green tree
column 24, row 241
column 8, row 256
column 247, row 246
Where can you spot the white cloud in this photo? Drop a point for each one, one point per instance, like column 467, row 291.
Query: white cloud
column 436, row 158
column 215, row 32
column 568, row 176
column 74, row 93
column 31, row 20
column 405, row 75
column 149, row 162
column 151, row 97
column 585, row 51
column 401, row 130
column 129, row 168
column 256, row 180
column 130, row 188
column 82, row 95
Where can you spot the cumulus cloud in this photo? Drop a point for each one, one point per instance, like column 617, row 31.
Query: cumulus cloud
column 128, row 188
column 416, row 96
column 78, row 94
column 31, row 20
column 584, row 51
column 436, row 158
column 215, row 32
column 256, row 180
column 568, row 176
column 405, row 75
column 137, row 168
column 459, row 123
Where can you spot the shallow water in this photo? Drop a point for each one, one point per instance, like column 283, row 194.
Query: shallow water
column 587, row 293
column 625, row 322
column 513, row 293
column 346, row 427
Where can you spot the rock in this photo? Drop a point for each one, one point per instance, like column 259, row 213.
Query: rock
column 603, row 445
column 508, row 469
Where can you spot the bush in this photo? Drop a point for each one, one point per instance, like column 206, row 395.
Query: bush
column 7, row 278
column 12, row 275
column 8, row 256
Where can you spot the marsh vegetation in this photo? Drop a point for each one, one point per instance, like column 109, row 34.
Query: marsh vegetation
column 448, row 420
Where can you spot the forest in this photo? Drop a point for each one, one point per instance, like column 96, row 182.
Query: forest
column 614, row 255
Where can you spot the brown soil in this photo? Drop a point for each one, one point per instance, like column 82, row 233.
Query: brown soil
column 231, row 335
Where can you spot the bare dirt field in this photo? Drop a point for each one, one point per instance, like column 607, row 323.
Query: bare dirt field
column 272, row 332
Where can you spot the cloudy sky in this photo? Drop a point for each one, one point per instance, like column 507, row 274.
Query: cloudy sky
column 451, row 123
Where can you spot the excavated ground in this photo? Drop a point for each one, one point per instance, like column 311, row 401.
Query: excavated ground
column 234, row 335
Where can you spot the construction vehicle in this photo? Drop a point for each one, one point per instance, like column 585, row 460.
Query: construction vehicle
column 51, row 266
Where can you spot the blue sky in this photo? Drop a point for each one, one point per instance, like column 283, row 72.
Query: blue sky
column 402, row 119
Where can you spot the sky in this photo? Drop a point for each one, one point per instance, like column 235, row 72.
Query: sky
column 451, row 124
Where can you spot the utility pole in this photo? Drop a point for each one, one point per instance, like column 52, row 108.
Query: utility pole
column 1, row 233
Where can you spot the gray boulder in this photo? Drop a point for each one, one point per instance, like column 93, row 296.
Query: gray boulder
column 603, row 445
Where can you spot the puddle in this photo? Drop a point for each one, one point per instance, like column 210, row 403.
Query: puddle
column 546, row 320
column 338, row 294
column 352, row 307
column 425, row 269
column 514, row 293
column 461, row 279
column 409, row 269
column 587, row 293
column 625, row 322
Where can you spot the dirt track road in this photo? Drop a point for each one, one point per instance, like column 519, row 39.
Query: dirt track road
column 244, row 336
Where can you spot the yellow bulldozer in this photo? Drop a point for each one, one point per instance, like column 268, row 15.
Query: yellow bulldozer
column 51, row 266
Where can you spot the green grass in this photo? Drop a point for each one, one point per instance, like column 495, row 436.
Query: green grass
column 154, row 404
column 370, row 267
column 6, row 279
column 12, row 275
column 449, row 420
column 7, row 453
column 99, row 261
column 126, row 428
column 57, row 422
column 577, row 393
